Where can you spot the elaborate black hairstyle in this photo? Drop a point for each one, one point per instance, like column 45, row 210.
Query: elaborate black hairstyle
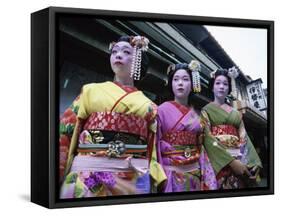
column 220, row 72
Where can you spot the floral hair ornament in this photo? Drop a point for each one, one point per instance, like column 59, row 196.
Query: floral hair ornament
column 195, row 68
column 171, row 68
column 233, row 72
column 111, row 45
column 139, row 44
column 212, row 74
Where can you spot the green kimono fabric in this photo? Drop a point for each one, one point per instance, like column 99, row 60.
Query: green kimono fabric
column 213, row 115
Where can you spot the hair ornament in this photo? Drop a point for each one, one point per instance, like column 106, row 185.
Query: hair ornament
column 111, row 45
column 213, row 74
column 139, row 44
column 233, row 72
column 195, row 68
column 171, row 68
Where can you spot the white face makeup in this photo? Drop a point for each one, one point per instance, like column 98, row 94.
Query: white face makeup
column 221, row 87
column 181, row 84
column 121, row 59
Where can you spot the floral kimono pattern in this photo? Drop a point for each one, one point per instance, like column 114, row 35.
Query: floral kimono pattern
column 112, row 149
column 180, row 151
column 225, row 139
column 67, row 124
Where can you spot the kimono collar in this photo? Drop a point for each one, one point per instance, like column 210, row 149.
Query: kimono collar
column 224, row 107
column 183, row 109
column 126, row 88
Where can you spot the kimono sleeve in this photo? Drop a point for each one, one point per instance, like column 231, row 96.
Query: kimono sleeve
column 67, row 124
column 156, row 170
column 249, row 154
column 82, row 114
column 217, row 154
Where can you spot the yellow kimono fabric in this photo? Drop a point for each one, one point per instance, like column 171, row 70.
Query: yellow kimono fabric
column 101, row 97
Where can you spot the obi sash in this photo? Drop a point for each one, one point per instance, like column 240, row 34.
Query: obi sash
column 228, row 136
column 185, row 144
column 119, row 122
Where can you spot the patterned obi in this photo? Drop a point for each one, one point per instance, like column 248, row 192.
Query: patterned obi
column 185, row 145
column 224, row 129
column 113, row 121
column 114, row 135
column 180, row 138
column 227, row 135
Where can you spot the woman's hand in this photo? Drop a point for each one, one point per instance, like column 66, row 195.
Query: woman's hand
column 238, row 168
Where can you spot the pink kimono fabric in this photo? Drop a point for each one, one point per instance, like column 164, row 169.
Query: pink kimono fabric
column 199, row 175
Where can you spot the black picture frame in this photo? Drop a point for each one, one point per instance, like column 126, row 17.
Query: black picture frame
column 45, row 102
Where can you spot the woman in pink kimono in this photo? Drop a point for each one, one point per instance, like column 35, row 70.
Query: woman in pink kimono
column 179, row 148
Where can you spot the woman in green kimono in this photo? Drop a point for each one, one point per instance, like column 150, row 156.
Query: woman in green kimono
column 229, row 148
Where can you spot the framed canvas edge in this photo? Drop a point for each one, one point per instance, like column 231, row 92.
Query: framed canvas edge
column 53, row 201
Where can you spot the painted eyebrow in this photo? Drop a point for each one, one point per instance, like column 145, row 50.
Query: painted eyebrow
column 123, row 47
column 177, row 76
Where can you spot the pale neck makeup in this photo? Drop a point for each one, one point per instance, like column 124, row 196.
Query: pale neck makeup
column 181, row 86
column 220, row 89
column 121, row 61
